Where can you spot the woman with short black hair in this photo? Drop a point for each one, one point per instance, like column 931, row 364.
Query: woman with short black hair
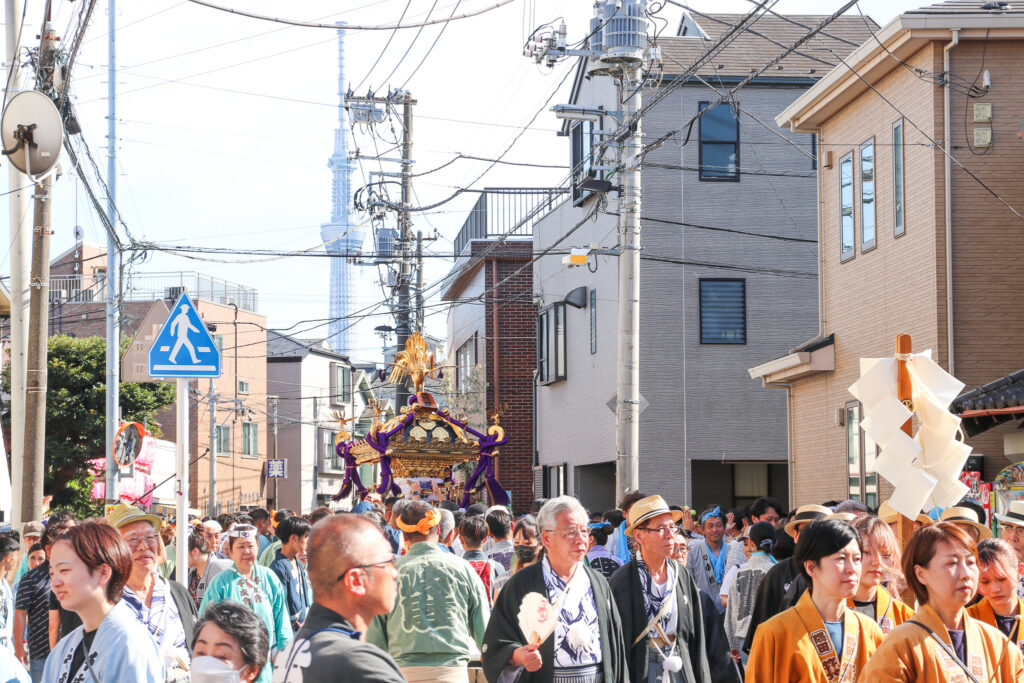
column 230, row 637
column 89, row 566
column 943, row 642
column 819, row 639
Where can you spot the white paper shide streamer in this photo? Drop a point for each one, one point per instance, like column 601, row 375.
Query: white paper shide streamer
column 925, row 468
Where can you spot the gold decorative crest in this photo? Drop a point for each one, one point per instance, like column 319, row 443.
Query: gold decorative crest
column 414, row 362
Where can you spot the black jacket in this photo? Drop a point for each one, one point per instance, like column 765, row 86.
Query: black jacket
column 187, row 610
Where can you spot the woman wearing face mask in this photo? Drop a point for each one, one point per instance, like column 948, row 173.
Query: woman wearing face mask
column 820, row 640
column 880, row 563
column 231, row 645
column 255, row 586
column 88, row 569
column 525, row 543
column 1000, row 605
column 941, row 642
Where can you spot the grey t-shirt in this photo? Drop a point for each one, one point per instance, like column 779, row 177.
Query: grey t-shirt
column 325, row 647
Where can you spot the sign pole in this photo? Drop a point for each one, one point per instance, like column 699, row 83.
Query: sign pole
column 181, row 490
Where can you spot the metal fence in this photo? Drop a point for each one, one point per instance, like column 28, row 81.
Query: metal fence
column 153, row 286
column 507, row 212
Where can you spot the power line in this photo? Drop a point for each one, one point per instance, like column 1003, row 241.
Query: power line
column 411, row 44
column 431, row 49
column 735, row 231
column 388, row 27
column 394, row 32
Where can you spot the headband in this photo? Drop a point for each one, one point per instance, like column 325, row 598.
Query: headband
column 598, row 525
column 243, row 531
column 423, row 527
column 716, row 512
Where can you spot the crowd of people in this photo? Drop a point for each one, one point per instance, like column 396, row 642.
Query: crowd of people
column 404, row 590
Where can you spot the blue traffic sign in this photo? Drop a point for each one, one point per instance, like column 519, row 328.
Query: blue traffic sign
column 184, row 347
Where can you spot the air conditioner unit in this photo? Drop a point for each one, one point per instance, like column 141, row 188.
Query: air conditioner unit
column 172, row 293
column 56, row 296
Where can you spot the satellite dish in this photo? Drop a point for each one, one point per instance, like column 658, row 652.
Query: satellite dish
column 32, row 132
column 79, row 234
column 128, row 443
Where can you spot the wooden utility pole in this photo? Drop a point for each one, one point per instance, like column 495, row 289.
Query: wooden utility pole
column 904, row 392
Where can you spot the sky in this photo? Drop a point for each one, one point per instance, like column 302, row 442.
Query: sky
column 225, row 125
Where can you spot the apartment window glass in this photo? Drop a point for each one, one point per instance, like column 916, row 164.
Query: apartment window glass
column 897, row 178
column 243, row 386
column 814, row 152
column 465, row 361
column 846, row 207
column 719, row 142
column 593, row 321
column 551, row 344
column 860, row 457
column 218, row 341
column 867, row 195
column 250, row 440
column 582, row 133
column 223, row 444
column 341, row 384
column 723, row 312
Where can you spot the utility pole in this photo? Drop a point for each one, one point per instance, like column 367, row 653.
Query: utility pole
column 273, row 416
column 405, row 237
column 419, row 281
column 615, row 47
column 212, row 504
column 20, row 262
column 113, row 394
column 39, row 300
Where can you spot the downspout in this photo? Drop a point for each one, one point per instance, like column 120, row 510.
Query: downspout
column 791, row 462
column 821, row 255
column 948, row 206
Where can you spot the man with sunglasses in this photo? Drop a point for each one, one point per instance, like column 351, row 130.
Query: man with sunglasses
column 352, row 570
column 441, row 611
column 659, row 601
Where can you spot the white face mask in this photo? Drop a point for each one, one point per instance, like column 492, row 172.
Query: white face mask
column 207, row 669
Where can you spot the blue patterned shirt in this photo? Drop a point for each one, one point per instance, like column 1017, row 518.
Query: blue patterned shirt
column 578, row 632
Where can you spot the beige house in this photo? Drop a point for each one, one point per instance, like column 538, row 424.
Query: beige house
column 919, row 228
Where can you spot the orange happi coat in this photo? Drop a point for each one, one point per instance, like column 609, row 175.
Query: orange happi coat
column 783, row 651
column 910, row 655
column 983, row 612
column 889, row 612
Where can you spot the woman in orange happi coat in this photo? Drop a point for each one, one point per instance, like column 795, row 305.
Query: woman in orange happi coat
column 820, row 640
column 1000, row 606
column 880, row 562
column 941, row 643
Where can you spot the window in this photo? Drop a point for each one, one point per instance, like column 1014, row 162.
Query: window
column 860, row 458
column 218, row 341
column 465, row 362
column 341, row 384
column 582, row 133
column 723, row 312
column 867, row 195
column 846, row 207
column 719, row 142
column 551, row 344
column 243, row 386
column 250, row 438
column 223, row 443
column 897, row 178
column 593, row 321
column 814, row 151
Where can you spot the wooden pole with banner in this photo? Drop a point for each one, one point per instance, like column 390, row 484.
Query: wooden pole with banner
column 904, row 392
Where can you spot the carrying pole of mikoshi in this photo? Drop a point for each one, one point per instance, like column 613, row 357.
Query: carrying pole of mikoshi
column 904, row 392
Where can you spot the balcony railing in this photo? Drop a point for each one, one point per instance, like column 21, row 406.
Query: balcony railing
column 152, row 286
column 507, row 212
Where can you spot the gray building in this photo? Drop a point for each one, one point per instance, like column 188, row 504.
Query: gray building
column 728, row 273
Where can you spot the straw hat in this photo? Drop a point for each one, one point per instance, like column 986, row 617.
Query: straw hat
column 1014, row 514
column 965, row 515
column 124, row 514
column 806, row 514
column 33, row 529
column 887, row 513
column 647, row 508
column 842, row 516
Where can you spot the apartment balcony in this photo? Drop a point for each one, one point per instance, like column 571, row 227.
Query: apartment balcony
column 153, row 286
column 507, row 212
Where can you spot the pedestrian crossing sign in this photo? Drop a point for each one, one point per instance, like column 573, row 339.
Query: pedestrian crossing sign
column 184, row 346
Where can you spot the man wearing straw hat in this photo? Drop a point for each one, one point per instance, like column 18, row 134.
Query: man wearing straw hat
column 1011, row 530
column 583, row 643
column 659, row 602
column 774, row 594
column 967, row 519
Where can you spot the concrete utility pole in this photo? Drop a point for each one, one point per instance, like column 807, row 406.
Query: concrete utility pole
column 211, row 506
column 627, row 403
column 39, row 301
column 273, row 416
column 113, row 276
column 419, row 281
column 20, row 261
column 405, row 236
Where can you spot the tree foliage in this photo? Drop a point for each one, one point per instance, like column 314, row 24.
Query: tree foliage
column 76, row 416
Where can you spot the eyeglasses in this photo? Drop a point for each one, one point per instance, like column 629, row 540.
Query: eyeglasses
column 666, row 530
column 571, row 532
column 136, row 541
column 391, row 560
